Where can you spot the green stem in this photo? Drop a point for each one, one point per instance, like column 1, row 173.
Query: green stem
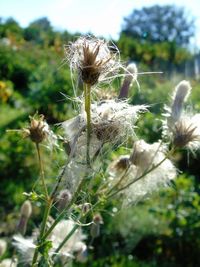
column 42, row 171
column 43, row 226
column 47, row 206
column 87, row 95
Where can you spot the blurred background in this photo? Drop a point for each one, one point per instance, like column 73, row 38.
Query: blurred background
column 163, row 230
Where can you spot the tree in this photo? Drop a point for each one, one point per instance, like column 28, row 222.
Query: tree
column 39, row 31
column 160, row 24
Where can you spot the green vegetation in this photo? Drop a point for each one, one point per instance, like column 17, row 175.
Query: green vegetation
column 161, row 231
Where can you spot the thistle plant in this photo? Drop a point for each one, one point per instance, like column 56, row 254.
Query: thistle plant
column 89, row 180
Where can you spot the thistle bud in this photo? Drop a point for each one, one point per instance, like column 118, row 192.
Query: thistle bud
column 64, row 198
column 85, row 207
column 3, row 246
column 131, row 74
column 25, row 213
column 181, row 94
column 122, row 163
column 38, row 129
column 95, row 227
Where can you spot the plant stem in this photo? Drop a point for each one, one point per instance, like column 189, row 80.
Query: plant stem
column 47, row 206
column 42, row 171
column 43, row 226
column 87, row 95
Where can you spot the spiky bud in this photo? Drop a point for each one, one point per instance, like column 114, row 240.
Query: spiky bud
column 37, row 130
column 122, row 163
column 85, row 207
column 64, row 199
column 131, row 75
column 25, row 213
column 95, row 227
column 184, row 133
column 181, row 94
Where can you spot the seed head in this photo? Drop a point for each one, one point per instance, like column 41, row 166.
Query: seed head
column 185, row 133
column 38, row 129
column 92, row 59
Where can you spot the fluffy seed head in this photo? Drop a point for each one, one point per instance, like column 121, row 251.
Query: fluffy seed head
column 92, row 59
column 141, row 176
column 8, row 263
column 111, row 122
column 26, row 246
column 186, row 132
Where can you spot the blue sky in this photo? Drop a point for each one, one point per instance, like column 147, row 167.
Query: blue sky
column 101, row 17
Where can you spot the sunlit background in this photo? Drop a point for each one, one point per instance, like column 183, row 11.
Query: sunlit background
column 98, row 17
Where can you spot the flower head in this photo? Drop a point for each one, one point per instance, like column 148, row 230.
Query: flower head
column 92, row 58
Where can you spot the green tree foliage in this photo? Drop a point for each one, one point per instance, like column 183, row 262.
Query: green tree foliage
column 40, row 31
column 160, row 24
column 157, row 37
